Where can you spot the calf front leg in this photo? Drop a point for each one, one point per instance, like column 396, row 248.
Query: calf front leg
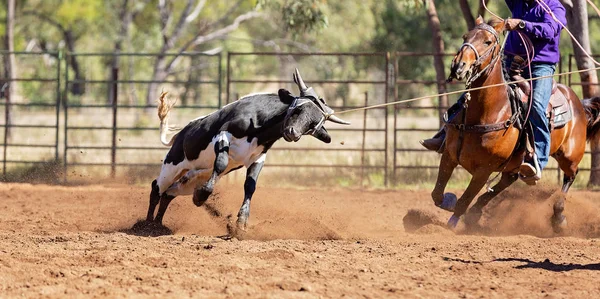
column 221, row 162
column 249, row 188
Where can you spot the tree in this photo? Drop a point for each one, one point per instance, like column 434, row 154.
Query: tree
column 438, row 50
column 126, row 13
column 205, row 32
column 72, row 19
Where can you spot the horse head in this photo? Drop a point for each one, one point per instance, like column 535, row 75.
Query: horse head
column 480, row 50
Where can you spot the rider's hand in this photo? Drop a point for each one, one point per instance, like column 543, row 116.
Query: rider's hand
column 512, row 24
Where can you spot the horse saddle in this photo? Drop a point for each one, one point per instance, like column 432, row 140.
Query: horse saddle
column 558, row 112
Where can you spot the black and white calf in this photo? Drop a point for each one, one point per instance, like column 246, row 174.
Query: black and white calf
column 237, row 135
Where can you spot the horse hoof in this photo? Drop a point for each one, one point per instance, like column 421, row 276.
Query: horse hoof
column 449, row 202
column 559, row 225
column 452, row 222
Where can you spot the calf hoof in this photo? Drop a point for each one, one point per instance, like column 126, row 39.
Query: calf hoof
column 201, row 195
column 242, row 224
column 448, row 202
column 559, row 224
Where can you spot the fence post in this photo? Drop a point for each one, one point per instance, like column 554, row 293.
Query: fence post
column 58, row 82
column 228, row 78
column 113, row 150
column 364, row 139
column 6, row 90
column 395, row 90
column 388, row 69
column 220, row 78
column 66, row 107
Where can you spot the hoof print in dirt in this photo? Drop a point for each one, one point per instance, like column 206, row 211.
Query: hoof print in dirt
column 145, row 228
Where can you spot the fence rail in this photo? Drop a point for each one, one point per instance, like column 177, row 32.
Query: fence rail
column 112, row 131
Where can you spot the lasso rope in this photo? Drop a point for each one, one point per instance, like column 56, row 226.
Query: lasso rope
column 462, row 91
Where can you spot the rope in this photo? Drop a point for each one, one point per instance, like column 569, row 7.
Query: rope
column 462, row 91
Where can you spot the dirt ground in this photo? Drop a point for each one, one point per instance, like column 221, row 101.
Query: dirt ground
column 60, row 241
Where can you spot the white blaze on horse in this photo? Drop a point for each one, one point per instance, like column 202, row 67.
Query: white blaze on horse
column 238, row 135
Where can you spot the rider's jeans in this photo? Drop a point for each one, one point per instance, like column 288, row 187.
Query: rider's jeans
column 542, row 90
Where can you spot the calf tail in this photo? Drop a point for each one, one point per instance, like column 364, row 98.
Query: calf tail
column 592, row 113
column 164, row 107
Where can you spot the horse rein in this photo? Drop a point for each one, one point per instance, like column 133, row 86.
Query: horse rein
column 462, row 127
column 480, row 58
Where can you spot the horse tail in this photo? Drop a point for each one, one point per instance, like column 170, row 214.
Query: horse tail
column 592, row 113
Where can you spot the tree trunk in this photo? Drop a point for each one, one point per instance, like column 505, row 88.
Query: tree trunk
column 11, row 65
column 467, row 15
column 578, row 25
column 126, row 19
column 438, row 49
column 78, row 87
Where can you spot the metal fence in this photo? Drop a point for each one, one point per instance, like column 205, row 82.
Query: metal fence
column 109, row 124
column 364, row 144
column 123, row 142
column 31, row 122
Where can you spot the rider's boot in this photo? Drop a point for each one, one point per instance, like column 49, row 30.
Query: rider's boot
column 437, row 142
column 530, row 171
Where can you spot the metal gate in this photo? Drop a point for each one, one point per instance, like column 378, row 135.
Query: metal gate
column 116, row 136
column 31, row 115
column 359, row 160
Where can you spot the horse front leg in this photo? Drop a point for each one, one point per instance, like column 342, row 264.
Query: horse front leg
column 445, row 201
column 477, row 182
column 475, row 212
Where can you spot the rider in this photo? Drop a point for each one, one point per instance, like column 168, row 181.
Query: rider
column 530, row 18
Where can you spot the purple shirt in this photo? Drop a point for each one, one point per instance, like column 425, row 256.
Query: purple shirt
column 540, row 27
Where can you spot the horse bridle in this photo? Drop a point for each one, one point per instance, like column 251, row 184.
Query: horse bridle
column 326, row 112
column 481, row 58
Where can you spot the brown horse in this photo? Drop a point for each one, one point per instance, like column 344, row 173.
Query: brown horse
column 483, row 138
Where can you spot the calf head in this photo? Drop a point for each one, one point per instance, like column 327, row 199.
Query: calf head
column 307, row 114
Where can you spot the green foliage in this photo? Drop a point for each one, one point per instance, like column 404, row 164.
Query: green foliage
column 298, row 16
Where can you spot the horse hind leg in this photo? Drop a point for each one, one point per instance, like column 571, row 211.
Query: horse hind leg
column 569, row 166
column 558, row 219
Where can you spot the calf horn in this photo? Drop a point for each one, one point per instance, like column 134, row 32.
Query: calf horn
column 299, row 81
column 337, row 120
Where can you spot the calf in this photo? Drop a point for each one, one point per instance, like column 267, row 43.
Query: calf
column 237, row 135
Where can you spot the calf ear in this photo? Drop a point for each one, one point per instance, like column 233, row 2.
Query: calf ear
column 286, row 96
column 322, row 135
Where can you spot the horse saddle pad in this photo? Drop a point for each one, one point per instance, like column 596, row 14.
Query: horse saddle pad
column 558, row 112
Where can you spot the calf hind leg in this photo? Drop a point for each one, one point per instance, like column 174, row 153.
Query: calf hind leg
column 154, row 199
column 221, row 162
column 165, row 200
